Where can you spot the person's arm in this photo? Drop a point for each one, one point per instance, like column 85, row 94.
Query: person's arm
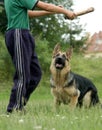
column 55, row 9
column 38, row 13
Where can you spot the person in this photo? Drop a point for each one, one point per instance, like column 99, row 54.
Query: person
column 21, row 47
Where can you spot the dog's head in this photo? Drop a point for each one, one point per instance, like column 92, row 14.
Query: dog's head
column 60, row 60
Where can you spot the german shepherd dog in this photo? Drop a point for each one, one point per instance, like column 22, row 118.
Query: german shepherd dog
column 68, row 87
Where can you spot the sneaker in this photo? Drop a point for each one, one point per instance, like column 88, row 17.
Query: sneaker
column 24, row 101
column 9, row 111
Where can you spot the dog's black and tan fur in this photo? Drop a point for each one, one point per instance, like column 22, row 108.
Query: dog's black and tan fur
column 68, row 87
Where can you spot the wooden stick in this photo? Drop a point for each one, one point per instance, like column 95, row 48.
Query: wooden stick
column 85, row 11
column 89, row 10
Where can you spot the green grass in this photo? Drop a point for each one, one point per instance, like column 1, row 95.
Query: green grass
column 40, row 112
column 40, row 115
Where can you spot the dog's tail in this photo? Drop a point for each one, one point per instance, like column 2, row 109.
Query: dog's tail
column 95, row 99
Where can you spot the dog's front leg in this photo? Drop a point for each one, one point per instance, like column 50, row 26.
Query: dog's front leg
column 74, row 100
column 57, row 102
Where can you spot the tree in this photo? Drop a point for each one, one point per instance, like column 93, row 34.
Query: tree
column 75, row 35
column 55, row 28
column 50, row 27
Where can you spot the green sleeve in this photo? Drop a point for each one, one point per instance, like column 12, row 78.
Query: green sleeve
column 29, row 4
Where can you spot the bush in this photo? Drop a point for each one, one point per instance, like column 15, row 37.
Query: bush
column 44, row 54
column 6, row 68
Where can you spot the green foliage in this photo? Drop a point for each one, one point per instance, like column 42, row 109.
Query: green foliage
column 56, row 29
column 6, row 68
column 3, row 19
column 44, row 54
column 53, row 27
column 48, row 27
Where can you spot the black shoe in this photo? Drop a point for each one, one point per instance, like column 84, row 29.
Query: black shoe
column 8, row 112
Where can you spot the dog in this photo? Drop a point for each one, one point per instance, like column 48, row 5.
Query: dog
column 68, row 87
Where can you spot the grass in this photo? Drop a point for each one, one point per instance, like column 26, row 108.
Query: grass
column 40, row 112
column 41, row 115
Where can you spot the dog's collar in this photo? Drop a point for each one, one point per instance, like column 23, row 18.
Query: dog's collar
column 69, row 80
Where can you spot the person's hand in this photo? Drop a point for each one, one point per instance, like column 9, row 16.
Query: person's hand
column 70, row 15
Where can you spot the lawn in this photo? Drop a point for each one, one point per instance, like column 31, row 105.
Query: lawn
column 40, row 113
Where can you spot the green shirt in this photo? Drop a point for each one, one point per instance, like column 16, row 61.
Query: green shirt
column 16, row 11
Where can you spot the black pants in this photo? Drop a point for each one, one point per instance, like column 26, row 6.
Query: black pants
column 21, row 47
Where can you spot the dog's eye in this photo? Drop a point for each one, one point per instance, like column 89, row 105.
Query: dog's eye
column 64, row 57
column 56, row 55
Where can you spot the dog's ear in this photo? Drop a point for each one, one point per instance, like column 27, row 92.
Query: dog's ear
column 56, row 49
column 69, row 53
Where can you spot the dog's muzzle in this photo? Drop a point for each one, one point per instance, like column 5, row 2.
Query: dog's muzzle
column 59, row 63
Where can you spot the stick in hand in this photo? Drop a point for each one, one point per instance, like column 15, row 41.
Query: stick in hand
column 86, row 11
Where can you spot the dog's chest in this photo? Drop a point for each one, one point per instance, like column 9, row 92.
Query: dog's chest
column 62, row 94
column 61, row 89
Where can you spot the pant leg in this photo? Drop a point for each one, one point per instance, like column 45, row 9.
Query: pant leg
column 9, row 40
column 35, row 75
column 20, row 47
